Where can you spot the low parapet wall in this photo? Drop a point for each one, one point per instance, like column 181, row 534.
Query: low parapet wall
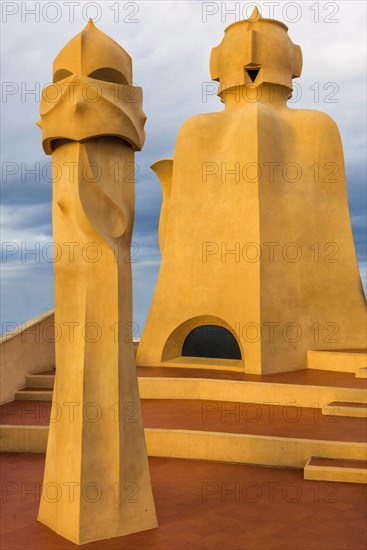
column 28, row 348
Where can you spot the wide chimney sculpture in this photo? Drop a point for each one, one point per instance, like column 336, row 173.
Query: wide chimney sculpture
column 96, row 482
column 258, row 260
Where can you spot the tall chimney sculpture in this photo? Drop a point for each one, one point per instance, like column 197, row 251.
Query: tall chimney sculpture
column 96, row 482
column 268, row 270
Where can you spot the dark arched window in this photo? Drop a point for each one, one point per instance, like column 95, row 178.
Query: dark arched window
column 211, row 341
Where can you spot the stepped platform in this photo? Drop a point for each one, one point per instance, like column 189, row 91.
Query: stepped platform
column 346, row 408
column 308, row 377
column 323, row 469
column 280, row 419
column 306, row 388
column 342, row 360
column 215, row 416
column 230, row 454
column 225, row 431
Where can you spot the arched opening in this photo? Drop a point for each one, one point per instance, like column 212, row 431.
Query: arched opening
column 202, row 338
column 212, row 341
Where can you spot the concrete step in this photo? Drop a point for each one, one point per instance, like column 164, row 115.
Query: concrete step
column 345, row 408
column 331, row 469
column 40, row 381
column 33, row 394
column 338, row 360
column 220, row 446
column 361, row 373
column 307, row 388
column 207, row 430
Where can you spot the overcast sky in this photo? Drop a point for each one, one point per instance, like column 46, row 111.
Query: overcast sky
column 170, row 44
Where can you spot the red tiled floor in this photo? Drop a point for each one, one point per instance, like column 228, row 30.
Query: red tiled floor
column 279, row 421
column 307, row 376
column 36, row 413
column 218, row 416
column 315, row 461
column 203, row 505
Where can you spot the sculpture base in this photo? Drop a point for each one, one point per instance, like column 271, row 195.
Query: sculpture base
column 84, row 534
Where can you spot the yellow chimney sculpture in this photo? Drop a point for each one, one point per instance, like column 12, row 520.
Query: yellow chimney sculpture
column 96, row 482
column 258, row 260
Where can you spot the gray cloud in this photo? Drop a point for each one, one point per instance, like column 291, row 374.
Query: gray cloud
column 170, row 46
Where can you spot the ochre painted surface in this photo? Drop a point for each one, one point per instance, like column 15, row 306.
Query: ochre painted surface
column 26, row 349
column 342, row 361
column 96, row 455
column 335, row 470
column 225, row 446
column 255, row 231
